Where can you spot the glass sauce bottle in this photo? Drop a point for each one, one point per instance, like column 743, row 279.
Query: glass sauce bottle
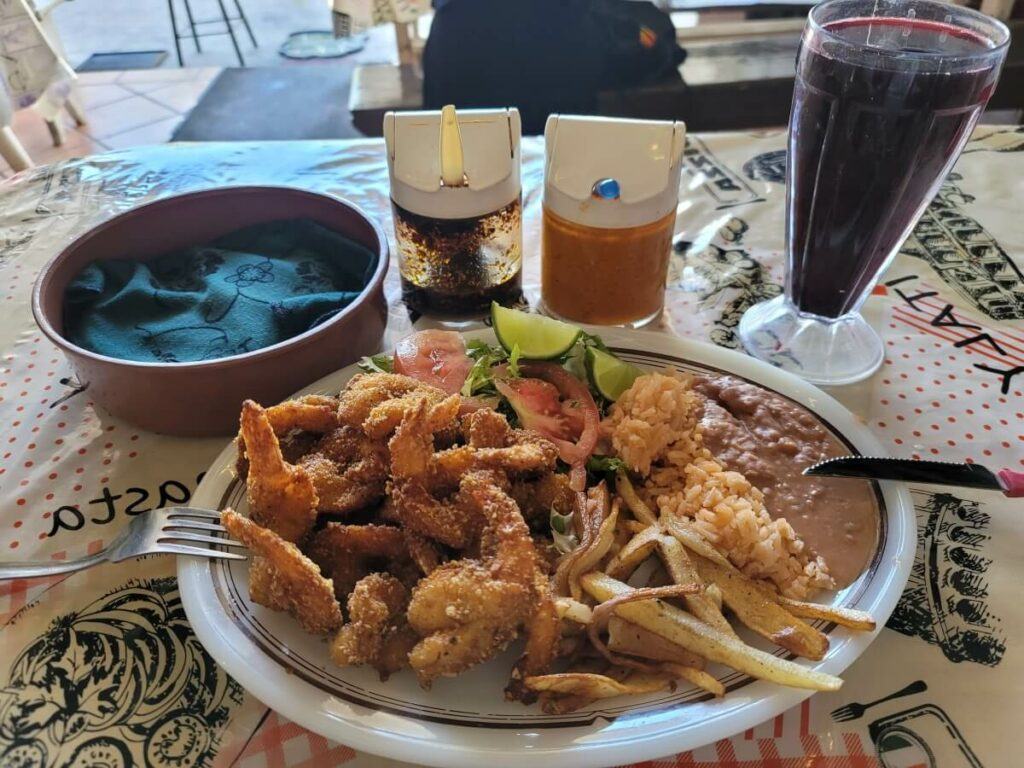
column 457, row 205
column 610, row 192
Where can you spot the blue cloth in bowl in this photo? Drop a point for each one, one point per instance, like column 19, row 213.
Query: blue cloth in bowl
column 244, row 291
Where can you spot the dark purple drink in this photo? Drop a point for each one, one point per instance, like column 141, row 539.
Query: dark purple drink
column 871, row 139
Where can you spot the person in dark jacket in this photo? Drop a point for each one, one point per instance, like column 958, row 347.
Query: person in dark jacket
column 544, row 56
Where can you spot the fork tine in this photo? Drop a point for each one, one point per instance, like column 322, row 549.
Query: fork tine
column 177, row 512
column 181, row 549
column 842, row 714
column 193, row 525
column 170, row 537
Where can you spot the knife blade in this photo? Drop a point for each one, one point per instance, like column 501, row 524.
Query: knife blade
column 916, row 471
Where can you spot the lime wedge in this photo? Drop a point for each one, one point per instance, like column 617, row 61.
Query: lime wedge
column 538, row 337
column 609, row 375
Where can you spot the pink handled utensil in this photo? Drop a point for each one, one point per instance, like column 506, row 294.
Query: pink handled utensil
column 1006, row 481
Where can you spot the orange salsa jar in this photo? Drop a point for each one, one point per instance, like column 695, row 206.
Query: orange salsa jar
column 605, row 276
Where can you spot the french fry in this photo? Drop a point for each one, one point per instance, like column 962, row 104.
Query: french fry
column 691, row 633
column 635, row 526
column 844, row 617
column 698, row 677
column 705, row 607
column 596, row 552
column 757, row 610
column 632, row 639
column 624, row 487
column 713, row 592
column 633, row 553
column 594, row 686
column 684, row 532
column 573, row 610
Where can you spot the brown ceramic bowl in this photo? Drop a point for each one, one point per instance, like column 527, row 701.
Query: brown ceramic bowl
column 204, row 398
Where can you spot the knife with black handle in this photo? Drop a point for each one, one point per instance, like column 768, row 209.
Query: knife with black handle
column 1006, row 481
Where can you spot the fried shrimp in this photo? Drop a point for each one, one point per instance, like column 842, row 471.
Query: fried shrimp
column 452, row 464
column 449, row 520
column 469, row 610
column 347, row 553
column 446, row 520
column 281, row 496
column 385, row 418
column 377, row 632
column 365, row 391
column 310, row 413
column 485, row 428
column 284, row 579
column 349, row 470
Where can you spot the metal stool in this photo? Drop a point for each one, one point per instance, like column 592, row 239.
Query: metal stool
column 195, row 34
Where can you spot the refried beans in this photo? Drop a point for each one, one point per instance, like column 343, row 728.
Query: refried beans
column 771, row 440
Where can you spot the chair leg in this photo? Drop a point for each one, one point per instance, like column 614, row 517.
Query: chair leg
column 192, row 25
column 174, row 30
column 74, row 108
column 12, row 151
column 231, row 33
column 245, row 21
column 56, row 131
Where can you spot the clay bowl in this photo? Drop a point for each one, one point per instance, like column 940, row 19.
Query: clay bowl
column 204, row 398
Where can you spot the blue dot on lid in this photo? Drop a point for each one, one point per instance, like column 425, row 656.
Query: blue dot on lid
column 606, row 189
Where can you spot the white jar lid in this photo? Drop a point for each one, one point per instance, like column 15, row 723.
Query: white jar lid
column 490, row 153
column 612, row 173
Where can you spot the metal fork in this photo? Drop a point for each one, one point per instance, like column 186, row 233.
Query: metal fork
column 160, row 531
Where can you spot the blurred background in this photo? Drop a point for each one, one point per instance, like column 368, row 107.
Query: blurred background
column 82, row 76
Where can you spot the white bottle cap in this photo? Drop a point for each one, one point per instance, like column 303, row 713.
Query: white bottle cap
column 612, row 173
column 489, row 142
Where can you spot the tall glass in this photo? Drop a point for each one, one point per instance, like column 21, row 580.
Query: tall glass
column 887, row 93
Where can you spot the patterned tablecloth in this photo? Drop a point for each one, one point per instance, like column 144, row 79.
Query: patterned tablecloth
column 101, row 668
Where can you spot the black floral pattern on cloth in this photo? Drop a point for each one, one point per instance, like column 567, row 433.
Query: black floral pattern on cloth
column 250, row 274
column 121, row 682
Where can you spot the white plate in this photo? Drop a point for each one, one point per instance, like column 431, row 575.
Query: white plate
column 465, row 721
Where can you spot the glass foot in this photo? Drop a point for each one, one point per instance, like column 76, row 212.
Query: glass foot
column 820, row 350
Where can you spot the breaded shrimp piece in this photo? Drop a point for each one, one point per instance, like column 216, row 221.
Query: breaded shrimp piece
column 281, row 495
column 442, row 412
column 284, row 579
column 543, row 634
column 412, row 446
column 310, row 413
column 297, row 424
column 452, row 464
column 376, row 610
column 448, row 520
column 422, row 551
column 347, row 553
column 485, row 428
column 367, row 390
column 349, row 470
column 469, row 610
column 465, row 617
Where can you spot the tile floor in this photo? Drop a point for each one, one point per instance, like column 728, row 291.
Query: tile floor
column 124, row 109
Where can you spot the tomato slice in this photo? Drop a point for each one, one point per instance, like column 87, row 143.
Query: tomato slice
column 538, row 405
column 553, row 402
column 434, row 357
